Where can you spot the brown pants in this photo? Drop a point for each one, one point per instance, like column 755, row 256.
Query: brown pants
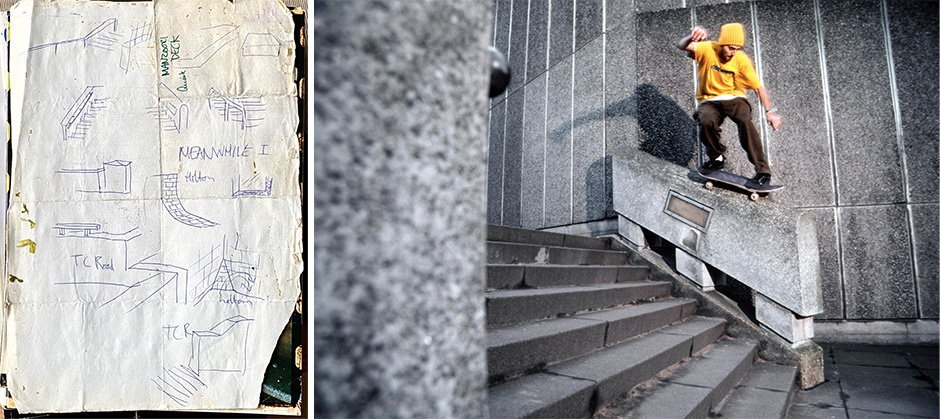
column 711, row 114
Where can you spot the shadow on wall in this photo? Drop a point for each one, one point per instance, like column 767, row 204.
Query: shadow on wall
column 669, row 132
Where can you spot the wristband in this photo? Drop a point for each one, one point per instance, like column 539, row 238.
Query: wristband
column 771, row 110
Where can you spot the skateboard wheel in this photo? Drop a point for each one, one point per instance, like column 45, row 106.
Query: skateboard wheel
column 709, row 185
column 754, row 196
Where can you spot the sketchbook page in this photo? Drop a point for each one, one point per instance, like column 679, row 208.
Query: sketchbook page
column 155, row 253
column 4, row 64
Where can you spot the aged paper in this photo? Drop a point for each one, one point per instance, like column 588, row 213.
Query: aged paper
column 155, row 226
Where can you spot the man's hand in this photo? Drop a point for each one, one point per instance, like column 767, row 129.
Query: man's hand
column 699, row 34
column 775, row 120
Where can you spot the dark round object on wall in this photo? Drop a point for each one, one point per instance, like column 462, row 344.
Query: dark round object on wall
column 499, row 73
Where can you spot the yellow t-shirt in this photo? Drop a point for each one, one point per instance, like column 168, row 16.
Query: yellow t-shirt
column 730, row 78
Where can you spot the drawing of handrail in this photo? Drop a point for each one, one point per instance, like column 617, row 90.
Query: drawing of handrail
column 80, row 116
column 140, row 34
column 172, row 113
column 96, row 38
column 171, row 201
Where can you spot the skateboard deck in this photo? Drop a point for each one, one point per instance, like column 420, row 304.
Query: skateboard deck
column 738, row 182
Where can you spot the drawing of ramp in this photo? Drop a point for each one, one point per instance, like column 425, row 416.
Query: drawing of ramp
column 172, row 274
column 222, row 348
column 171, row 201
column 206, row 54
column 103, row 36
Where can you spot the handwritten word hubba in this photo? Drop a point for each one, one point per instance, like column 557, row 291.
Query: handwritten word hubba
column 169, row 51
column 196, row 152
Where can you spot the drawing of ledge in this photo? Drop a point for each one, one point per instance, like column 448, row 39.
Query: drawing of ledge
column 222, row 348
column 173, row 205
column 240, row 188
column 92, row 231
column 112, row 177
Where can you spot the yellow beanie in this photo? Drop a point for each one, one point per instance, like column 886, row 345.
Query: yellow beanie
column 731, row 34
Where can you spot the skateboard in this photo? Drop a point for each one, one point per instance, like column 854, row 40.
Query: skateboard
column 736, row 182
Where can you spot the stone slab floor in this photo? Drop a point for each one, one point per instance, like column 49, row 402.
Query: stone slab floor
column 873, row 382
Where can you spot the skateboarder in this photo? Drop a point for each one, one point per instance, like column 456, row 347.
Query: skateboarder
column 724, row 73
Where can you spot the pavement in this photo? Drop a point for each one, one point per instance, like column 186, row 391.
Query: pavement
column 864, row 381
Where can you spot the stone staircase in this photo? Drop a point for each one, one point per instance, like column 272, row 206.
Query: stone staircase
column 574, row 331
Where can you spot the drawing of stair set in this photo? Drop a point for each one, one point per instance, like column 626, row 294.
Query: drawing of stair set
column 82, row 113
column 171, row 201
column 247, row 112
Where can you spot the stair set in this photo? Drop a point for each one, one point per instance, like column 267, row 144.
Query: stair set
column 574, row 331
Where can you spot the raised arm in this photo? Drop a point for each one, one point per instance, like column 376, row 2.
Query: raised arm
column 773, row 118
column 698, row 34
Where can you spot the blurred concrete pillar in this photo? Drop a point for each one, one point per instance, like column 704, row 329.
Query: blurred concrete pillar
column 400, row 105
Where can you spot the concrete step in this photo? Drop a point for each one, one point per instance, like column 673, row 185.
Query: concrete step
column 540, row 276
column 562, row 389
column 507, row 307
column 697, row 386
column 765, row 392
column 516, row 253
column 517, row 235
column 515, row 349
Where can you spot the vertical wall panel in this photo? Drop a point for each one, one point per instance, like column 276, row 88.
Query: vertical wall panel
column 517, row 44
column 926, row 221
column 533, row 154
column 867, row 156
column 561, row 41
column 800, row 151
column 914, row 32
column 512, row 169
column 494, row 164
column 665, row 93
column 588, row 197
column 589, row 21
column 876, row 251
column 538, row 38
column 620, row 88
column 558, row 146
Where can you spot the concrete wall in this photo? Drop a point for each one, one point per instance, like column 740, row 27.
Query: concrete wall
column 399, row 208
column 855, row 80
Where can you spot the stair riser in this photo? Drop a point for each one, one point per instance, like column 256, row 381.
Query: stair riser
column 502, row 311
column 506, row 253
column 621, row 330
column 513, row 359
column 615, row 370
column 542, row 396
column 525, row 347
column 610, row 390
column 541, row 276
column 542, row 238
